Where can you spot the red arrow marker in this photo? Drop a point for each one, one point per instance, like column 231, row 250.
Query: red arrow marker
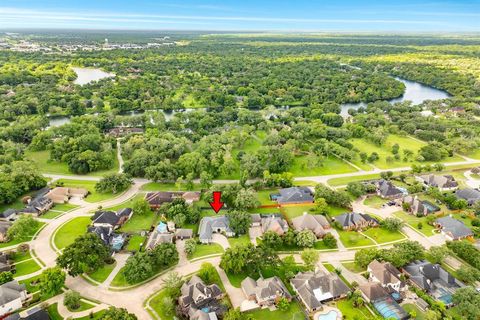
column 216, row 204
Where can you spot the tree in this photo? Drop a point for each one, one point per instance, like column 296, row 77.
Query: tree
column 329, row 241
column 208, row 273
column 468, row 274
column 356, row 189
column 72, row 300
column 239, row 221
column 271, row 239
column 113, row 183
column 467, row 301
column 235, row 314
column 172, row 284
column 190, row 246
column 363, row 257
column 283, row 304
column 118, row 314
column 236, row 259
column 387, row 175
column 310, row 257
column 86, row 254
column 392, row 224
column 246, row 199
column 5, row 277
column 138, row 267
column 168, row 306
column 22, row 228
column 51, row 281
column 438, row 253
column 140, row 206
column 305, row 238
column 321, row 206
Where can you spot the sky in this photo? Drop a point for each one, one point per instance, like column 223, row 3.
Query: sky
column 244, row 15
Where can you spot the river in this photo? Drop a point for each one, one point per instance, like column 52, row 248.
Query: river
column 414, row 91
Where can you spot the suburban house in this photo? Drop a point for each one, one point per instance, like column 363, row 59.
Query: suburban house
column 210, row 225
column 356, row 221
column 110, row 219
column 4, row 226
column 375, row 294
column 9, row 215
column 265, row 292
column 273, row 222
column 315, row 288
column 386, row 275
column 453, row 229
column 318, row 224
column 443, row 183
column 111, row 239
column 37, row 206
column 12, row 296
column 293, row 195
column 387, row 190
column 433, row 279
column 470, row 195
column 199, row 301
column 36, row 313
column 63, row 194
column 160, row 235
column 182, row 234
column 5, row 263
column 123, row 131
column 420, row 207
column 156, row 199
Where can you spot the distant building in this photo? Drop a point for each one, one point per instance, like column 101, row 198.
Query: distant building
column 318, row 224
column 36, row 313
column 123, row 131
column 210, row 225
column 452, row 228
column 443, row 183
column 265, row 292
column 156, row 199
column 160, row 235
column 182, row 234
column 356, row 221
column 293, row 195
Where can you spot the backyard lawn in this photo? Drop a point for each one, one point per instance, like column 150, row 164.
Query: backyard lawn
column 243, row 239
column 102, row 274
column 294, row 312
column 413, row 221
column 411, row 307
column 205, row 250
column 264, row 196
column 375, row 202
column 140, row 222
column 381, row 235
column 353, row 239
column 134, row 242
column 68, row 232
column 17, row 241
column 350, row 312
column 293, row 211
column 93, row 196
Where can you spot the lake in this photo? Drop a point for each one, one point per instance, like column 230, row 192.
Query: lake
column 87, row 75
column 414, row 91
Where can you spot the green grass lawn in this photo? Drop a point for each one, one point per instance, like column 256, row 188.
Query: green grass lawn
column 294, row 312
column 243, row 239
column 304, row 183
column 375, row 202
column 93, row 196
column 345, row 180
column 353, row 267
column 205, row 250
column 351, row 312
column 330, row 165
column 68, row 232
column 413, row 221
column 58, row 209
column 53, row 312
column 156, row 304
column 354, row 239
column 385, row 150
column 291, row 212
column 21, row 240
column 119, row 280
column 264, row 210
column 84, row 305
column 102, row 274
column 381, row 235
column 42, row 160
column 420, row 315
column 26, row 267
column 158, row 186
column 21, row 256
column 140, row 222
column 264, row 196
column 134, row 242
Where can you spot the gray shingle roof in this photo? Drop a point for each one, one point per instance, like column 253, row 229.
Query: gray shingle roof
column 209, row 224
column 353, row 219
column 456, row 227
column 295, row 195
column 264, row 288
column 10, row 291
column 388, row 189
column 471, row 195
column 315, row 223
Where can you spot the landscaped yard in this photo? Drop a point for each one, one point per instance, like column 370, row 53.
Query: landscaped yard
column 139, row 222
column 134, row 242
column 17, row 241
column 102, row 274
column 293, row 211
column 243, row 239
column 351, row 312
column 381, row 235
column 84, row 305
column 69, row 231
column 93, row 196
column 205, row 250
column 25, row 267
column 353, row 267
column 294, row 312
column 156, row 304
column 420, row 315
column 413, row 221
column 57, row 210
column 375, row 202
column 354, row 239
column 264, row 196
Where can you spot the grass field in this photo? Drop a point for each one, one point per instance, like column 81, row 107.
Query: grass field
column 202, row 250
column 294, row 211
column 68, row 232
column 345, row 180
column 354, row 239
column 264, row 196
column 413, row 221
column 94, row 196
column 420, row 315
column 42, row 160
column 384, row 151
column 375, row 202
column 381, row 235
column 330, row 165
column 134, row 242
column 294, row 312
column 102, row 274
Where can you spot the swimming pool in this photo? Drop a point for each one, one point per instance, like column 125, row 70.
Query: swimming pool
column 331, row 315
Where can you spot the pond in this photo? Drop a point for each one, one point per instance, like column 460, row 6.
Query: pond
column 414, row 91
column 87, row 75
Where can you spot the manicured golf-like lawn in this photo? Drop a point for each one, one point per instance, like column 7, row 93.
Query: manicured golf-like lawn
column 102, row 274
column 381, row 235
column 202, row 250
column 354, row 239
column 93, row 196
column 68, row 232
